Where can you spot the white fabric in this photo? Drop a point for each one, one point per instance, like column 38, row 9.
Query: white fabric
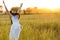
column 15, row 28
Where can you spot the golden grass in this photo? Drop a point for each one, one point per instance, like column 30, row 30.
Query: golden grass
column 35, row 27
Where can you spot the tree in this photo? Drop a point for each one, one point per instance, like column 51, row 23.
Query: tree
column 28, row 10
column 24, row 11
column 1, row 10
column 35, row 10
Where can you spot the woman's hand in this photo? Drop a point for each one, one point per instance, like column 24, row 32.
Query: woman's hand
column 3, row 1
column 21, row 4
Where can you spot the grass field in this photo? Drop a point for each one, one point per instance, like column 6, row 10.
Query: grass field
column 35, row 27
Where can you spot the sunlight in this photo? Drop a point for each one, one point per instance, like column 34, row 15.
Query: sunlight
column 51, row 4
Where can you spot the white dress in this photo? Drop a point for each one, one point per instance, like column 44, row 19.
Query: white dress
column 15, row 28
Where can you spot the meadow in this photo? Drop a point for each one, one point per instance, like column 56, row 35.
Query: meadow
column 35, row 27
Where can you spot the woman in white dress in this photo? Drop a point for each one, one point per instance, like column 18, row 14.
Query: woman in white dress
column 15, row 27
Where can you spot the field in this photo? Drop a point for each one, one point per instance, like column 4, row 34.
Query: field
column 35, row 27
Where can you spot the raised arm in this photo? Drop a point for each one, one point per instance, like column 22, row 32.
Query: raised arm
column 6, row 9
column 19, row 9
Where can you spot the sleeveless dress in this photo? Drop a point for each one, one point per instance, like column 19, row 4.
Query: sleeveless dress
column 15, row 28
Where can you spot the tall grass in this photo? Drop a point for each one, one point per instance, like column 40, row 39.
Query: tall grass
column 35, row 27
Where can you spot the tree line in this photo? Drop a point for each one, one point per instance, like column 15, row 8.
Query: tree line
column 35, row 10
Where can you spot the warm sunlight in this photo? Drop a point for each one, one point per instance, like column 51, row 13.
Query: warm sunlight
column 51, row 4
column 32, row 20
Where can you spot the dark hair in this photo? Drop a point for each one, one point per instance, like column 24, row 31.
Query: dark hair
column 14, row 13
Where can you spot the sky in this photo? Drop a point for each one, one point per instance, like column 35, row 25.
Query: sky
column 51, row 4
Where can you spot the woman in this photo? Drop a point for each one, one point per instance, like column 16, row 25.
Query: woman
column 15, row 27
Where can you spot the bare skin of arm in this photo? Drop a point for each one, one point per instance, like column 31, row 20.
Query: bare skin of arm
column 7, row 11
column 19, row 9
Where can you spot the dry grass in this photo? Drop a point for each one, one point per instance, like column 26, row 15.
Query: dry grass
column 35, row 27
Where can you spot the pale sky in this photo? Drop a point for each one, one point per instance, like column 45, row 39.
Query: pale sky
column 52, row 4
